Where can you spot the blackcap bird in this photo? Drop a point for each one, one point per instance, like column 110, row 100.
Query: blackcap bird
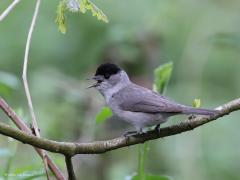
column 135, row 104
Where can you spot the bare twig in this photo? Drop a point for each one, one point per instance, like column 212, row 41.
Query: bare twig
column 25, row 65
column 8, row 10
column 25, row 82
column 97, row 147
column 22, row 126
column 71, row 174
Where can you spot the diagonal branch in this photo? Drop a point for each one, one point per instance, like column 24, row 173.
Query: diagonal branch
column 97, row 147
column 8, row 10
column 22, row 126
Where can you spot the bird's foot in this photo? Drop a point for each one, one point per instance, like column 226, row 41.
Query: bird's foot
column 133, row 133
column 157, row 128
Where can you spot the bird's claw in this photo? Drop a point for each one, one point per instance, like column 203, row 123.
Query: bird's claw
column 157, row 128
column 132, row 133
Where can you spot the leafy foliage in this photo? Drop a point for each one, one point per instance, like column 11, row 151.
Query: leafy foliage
column 60, row 19
column 162, row 75
column 76, row 6
column 88, row 5
column 103, row 114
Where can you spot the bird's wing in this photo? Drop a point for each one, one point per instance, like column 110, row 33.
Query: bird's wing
column 139, row 99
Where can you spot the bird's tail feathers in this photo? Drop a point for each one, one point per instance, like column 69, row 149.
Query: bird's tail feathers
column 199, row 111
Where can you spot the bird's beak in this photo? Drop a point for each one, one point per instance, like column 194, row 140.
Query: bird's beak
column 96, row 78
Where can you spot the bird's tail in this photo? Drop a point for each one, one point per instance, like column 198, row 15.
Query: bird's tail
column 199, row 111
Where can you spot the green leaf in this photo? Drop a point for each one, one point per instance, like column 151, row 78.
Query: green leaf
column 60, row 19
column 103, row 114
column 196, row 103
column 162, row 75
column 76, row 6
column 88, row 5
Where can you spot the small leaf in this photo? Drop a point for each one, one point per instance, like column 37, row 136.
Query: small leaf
column 196, row 103
column 103, row 114
column 60, row 19
column 88, row 5
column 162, row 75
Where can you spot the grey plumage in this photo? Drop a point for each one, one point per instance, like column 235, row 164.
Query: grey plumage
column 135, row 104
column 135, row 98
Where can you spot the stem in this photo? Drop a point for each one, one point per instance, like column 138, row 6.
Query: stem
column 25, row 66
column 9, row 9
column 71, row 175
column 25, row 81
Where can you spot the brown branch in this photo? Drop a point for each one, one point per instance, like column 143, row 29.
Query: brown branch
column 22, row 126
column 97, row 147
column 71, row 174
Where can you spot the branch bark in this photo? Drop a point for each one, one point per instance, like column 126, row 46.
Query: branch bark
column 22, row 126
column 71, row 175
column 97, row 147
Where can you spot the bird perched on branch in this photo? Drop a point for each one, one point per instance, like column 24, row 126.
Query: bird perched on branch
column 135, row 104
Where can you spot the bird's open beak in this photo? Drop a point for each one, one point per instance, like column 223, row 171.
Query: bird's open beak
column 96, row 78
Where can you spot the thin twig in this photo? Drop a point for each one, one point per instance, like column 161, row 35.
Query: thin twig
column 25, row 66
column 25, row 82
column 8, row 10
column 70, row 170
column 98, row 147
column 22, row 126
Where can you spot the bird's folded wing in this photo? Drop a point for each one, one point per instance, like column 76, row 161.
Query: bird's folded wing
column 138, row 99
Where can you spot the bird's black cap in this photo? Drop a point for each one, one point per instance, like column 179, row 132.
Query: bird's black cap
column 107, row 70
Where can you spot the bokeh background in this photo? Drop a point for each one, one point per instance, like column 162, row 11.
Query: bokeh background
column 201, row 38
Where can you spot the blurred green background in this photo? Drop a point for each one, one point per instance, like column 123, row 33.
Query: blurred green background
column 201, row 38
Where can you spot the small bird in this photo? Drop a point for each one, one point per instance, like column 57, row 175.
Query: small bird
column 135, row 104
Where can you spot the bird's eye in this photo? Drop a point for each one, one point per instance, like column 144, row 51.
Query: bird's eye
column 106, row 76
